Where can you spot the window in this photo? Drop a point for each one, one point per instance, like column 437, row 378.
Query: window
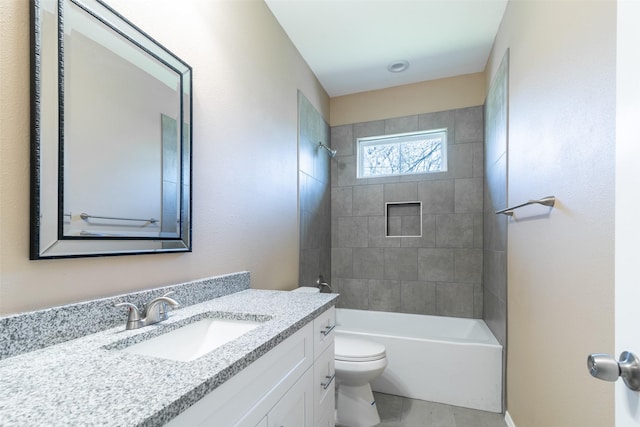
column 402, row 154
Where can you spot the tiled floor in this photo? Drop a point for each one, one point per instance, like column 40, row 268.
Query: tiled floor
column 396, row 411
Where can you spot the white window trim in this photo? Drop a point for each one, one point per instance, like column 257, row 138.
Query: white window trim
column 398, row 137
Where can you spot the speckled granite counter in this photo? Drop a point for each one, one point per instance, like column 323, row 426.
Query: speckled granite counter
column 88, row 381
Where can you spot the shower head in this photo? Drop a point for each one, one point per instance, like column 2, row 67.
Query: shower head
column 332, row 153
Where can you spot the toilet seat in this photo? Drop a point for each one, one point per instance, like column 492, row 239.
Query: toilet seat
column 349, row 349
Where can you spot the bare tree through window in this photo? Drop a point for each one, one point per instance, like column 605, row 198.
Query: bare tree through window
column 402, row 154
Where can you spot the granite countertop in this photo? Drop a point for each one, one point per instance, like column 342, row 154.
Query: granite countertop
column 87, row 381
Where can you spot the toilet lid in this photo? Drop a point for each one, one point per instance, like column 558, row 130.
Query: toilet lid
column 356, row 350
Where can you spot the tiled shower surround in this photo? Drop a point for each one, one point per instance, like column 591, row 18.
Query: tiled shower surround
column 314, row 198
column 439, row 273
column 495, row 198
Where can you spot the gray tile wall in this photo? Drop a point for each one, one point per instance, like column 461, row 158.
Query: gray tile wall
column 439, row 273
column 314, row 194
column 495, row 198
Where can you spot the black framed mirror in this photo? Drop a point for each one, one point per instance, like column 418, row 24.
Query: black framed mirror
column 111, row 136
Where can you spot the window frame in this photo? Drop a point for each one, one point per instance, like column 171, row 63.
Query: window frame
column 396, row 139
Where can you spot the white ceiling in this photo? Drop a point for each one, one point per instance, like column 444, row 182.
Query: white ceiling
column 349, row 43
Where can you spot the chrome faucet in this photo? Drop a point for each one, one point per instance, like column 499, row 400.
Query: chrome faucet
column 320, row 283
column 155, row 311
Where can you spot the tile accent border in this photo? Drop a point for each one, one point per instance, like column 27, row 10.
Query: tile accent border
column 24, row 332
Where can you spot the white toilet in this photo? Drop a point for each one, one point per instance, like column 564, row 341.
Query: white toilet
column 357, row 363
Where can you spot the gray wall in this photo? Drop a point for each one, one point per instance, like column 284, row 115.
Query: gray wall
column 495, row 198
column 439, row 273
column 313, row 193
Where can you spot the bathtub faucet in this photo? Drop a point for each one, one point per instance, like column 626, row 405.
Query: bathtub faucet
column 321, row 283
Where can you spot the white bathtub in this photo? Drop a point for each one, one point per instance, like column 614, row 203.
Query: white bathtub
column 440, row 359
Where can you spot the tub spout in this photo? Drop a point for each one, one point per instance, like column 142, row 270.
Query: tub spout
column 321, row 283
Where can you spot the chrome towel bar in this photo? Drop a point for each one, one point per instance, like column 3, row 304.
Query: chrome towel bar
column 546, row 201
column 86, row 217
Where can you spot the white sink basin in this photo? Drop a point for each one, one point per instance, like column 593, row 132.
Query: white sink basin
column 193, row 340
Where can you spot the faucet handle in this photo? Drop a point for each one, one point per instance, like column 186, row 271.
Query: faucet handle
column 134, row 313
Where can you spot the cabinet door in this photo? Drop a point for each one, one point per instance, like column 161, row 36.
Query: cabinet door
column 328, row 419
column 324, row 388
column 295, row 409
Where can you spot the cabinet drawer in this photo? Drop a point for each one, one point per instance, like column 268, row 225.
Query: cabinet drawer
column 323, row 331
column 324, row 382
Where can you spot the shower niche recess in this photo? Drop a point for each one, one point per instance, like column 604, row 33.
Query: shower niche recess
column 403, row 219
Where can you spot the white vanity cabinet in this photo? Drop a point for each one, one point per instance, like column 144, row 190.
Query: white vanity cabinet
column 324, row 369
column 292, row 385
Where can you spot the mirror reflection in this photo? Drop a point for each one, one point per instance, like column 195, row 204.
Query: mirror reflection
column 111, row 136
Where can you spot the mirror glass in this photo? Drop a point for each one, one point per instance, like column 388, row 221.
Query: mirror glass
column 111, row 136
